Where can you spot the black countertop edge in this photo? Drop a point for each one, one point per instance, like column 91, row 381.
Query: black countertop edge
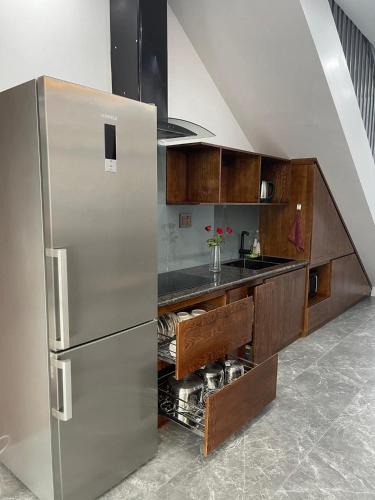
column 229, row 277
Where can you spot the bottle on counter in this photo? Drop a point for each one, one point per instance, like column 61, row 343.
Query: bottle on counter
column 256, row 245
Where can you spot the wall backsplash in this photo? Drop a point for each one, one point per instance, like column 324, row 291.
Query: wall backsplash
column 182, row 248
column 239, row 218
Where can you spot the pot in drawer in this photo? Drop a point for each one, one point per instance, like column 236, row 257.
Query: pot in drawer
column 204, row 339
column 187, row 396
column 212, row 376
column 233, row 369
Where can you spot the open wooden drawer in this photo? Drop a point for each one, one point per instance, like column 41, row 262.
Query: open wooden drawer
column 228, row 409
column 206, row 338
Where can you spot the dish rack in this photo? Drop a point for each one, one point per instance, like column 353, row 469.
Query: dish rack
column 163, row 348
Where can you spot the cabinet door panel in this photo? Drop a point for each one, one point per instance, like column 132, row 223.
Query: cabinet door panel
column 329, row 236
column 279, row 313
column 349, row 283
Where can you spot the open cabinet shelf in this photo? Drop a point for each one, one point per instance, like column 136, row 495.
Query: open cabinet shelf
column 200, row 174
column 277, row 171
column 193, row 174
column 240, row 177
column 323, row 273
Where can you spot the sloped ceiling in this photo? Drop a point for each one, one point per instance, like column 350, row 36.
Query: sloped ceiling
column 290, row 91
column 362, row 13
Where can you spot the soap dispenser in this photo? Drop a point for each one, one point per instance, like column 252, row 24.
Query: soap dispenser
column 256, row 245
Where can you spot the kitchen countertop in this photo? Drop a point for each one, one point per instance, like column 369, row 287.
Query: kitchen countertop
column 229, row 277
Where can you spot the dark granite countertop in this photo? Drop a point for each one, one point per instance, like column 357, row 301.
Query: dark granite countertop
column 229, row 277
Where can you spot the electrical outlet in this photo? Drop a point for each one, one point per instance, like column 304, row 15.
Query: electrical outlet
column 185, row 221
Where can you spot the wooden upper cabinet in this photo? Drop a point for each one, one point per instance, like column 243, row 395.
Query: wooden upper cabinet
column 275, row 224
column 325, row 235
column 193, row 174
column 240, row 177
column 278, row 172
column 329, row 235
column 202, row 173
column 279, row 313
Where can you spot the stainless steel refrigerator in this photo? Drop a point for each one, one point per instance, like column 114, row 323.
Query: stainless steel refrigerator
column 78, row 287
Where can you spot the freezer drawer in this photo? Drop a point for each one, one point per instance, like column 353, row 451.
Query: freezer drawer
column 99, row 191
column 105, row 423
column 228, row 409
column 205, row 338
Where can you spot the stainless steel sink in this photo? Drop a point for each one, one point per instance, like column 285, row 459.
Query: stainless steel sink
column 249, row 264
column 258, row 263
column 274, row 260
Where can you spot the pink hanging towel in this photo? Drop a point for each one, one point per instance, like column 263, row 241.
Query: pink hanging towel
column 296, row 233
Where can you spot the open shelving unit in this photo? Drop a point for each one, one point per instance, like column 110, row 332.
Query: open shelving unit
column 240, row 177
column 193, row 174
column 324, row 283
column 200, row 174
column 278, row 172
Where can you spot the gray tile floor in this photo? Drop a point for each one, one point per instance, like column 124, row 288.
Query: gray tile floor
column 316, row 441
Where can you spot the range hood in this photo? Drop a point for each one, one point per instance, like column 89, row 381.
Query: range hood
column 139, row 58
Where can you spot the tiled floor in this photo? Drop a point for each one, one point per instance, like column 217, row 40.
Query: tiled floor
column 316, row 441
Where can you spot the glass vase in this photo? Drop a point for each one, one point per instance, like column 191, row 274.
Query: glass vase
column 215, row 259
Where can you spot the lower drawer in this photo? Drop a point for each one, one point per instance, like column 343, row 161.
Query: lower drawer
column 228, row 409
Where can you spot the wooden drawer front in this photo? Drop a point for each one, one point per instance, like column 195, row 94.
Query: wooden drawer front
column 209, row 337
column 227, row 410
column 237, row 403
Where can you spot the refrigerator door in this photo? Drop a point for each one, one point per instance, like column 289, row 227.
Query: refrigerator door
column 99, row 190
column 105, row 424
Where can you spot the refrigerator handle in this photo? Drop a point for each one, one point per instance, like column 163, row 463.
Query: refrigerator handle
column 60, row 254
column 64, row 413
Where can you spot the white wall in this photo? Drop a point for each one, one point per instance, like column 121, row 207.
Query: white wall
column 193, row 94
column 67, row 39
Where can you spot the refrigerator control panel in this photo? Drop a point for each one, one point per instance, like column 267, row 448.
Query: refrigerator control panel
column 110, row 163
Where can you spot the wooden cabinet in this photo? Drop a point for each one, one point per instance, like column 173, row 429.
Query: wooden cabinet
column 324, row 277
column 275, row 225
column 279, row 173
column 327, row 244
column 205, row 174
column 240, row 177
column 329, row 238
column 193, row 174
column 279, row 313
column 228, row 409
column 207, row 338
column 325, row 235
column 235, row 294
column 348, row 285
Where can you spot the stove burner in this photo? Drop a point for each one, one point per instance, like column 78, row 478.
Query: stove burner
column 176, row 281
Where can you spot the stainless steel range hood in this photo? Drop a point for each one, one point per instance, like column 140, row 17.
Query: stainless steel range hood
column 176, row 128
column 139, row 57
